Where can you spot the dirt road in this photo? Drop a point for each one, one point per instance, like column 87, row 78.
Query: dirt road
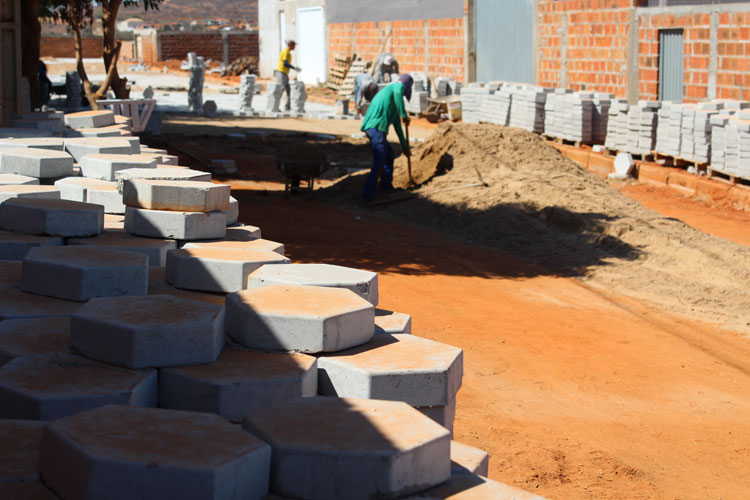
column 575, row 392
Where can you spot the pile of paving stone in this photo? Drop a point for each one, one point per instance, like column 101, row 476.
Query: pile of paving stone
column 152, row 347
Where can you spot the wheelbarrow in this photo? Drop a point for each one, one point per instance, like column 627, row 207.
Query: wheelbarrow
column 449, row 105
column 295, row 171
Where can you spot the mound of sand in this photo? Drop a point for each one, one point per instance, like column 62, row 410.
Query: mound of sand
column 536, row 204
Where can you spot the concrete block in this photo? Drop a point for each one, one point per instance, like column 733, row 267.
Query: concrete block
column 233, row 211
column 26, row 337
column 111, row 131
column 299, row 318
column 32, row 162
column 64, row 384
column 154, row 151
column 19, row 442
column 90, row 119
column 256, row 245
column 363, row 283
column 161, row 174
column 154, row 248
column 473, row 487
column 243, row 233
column 9, row 192
column 51, row 125
column 79, row 147
column 466, row 459
column 15, row 304
column 108, row 197
column 239, row 383
column 135, row 143
column 363, row 448
column 148, row 331
column 444, row 415
column 76, row 188
column 174, row 225
column 15, row 246
column 177, row 196
column 52, row 143
column 10, row 272
column 216, row 269
column 51, row 217
column 390, row 322
column 124, row 453
column 104, row 166
column 81, row 273
column 406, row 368
column 26, row 491
column 16, row 180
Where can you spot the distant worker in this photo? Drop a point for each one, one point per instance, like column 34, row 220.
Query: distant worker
column 386, row 109
column 282, row 72
column 45, row 85
column 365, row 89
column 385, row 66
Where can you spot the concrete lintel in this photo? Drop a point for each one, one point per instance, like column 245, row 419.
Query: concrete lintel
column 691, row 9
column 633, row 66
column 713, row 60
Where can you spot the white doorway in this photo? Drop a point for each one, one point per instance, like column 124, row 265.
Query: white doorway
column 282, row 29
column 311, row 37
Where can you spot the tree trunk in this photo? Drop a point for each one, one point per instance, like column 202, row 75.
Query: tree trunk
column 31, row 31
column 76, row 28
column 110, row 9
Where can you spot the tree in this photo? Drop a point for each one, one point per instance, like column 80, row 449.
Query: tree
column 78, row 14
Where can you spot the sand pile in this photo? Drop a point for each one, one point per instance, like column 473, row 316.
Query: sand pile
column 542, row 207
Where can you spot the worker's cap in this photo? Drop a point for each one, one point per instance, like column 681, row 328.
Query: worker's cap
column 388, row 60
column 291, row 42
column 408, row 82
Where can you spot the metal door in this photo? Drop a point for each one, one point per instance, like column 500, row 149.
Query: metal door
column 504, row 40
column 311, row 37
column 671, row 64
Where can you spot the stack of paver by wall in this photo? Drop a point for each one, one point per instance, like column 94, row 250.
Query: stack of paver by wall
column 617, row 126
column 527, row 108
column 569, row 116
column 420, row 93
column 473, row 100
column 668, row 129
column 129, row 346
column 600, row 118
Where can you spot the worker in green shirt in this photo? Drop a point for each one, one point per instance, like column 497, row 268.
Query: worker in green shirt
column 387, row 108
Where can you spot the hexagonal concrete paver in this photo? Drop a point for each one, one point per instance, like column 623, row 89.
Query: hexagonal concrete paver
column 90, row 119
column 363, row 283
column 52, row 217
column 14, row 246
column 26, row 337
column 10, row 191
column 405, row 368
column 391, row 322
column 84, row 272
column 148, row 331
column 177, row 196
column 19, row 449
column 82, row 146
column 251, row 245
column 466, row 459
column 18, row 180
column 444, row 415
column 16, row 304
column 33, row 162
column 216, row 269
column 243, row 233
column 104, row 166
column 308, row 319
column 55, row 385
column 473, row 487
column 175, row 225
column 239, row 383
column 163, row 173
column 124, row 453
column 331, row 448
column 154, row 248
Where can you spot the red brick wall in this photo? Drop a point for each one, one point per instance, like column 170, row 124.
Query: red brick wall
column 209, row 45
column 733, row 63
column 597, row 43
column 148, row 48
column 440, row 53
column 64, row 46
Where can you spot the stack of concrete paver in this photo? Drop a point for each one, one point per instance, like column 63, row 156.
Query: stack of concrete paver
column 719, row 122
column 496, row 108
column 600, row 117
column 527, row 108
column 668, row 129
column 617, row 125
column 141, row 342
column 420, row 93
column 687, row 131
column 642, row 119
column 554, row 118
column 702, row 130
column 473, row 98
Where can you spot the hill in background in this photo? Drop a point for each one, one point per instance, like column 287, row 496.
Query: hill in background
column 172, row 11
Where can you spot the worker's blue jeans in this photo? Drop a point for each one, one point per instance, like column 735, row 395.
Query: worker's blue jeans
column 382, row 160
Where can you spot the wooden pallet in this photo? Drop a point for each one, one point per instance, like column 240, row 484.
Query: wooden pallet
column 358, row 66
column 676, row 161
column 337, row 73
column 725, row 177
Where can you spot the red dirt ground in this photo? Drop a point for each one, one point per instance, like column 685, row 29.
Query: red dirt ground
column 576, row 393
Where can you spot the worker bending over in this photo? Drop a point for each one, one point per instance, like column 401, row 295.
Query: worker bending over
column 365, row 89
column 386, row 109
column 282, row 72
column 385, row 66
